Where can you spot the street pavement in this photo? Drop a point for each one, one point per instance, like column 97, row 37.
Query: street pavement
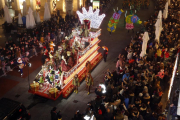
column 40, row 107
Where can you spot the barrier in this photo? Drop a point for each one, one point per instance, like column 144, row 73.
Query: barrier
column 173, row 75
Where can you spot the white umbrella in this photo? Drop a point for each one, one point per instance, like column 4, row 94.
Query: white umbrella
column 158, row 26
column 160, row 15
column 144, row 45
column 20, row 22
column 27, row 21
column 38, row 20
column 24, row 8
column 165, row 12
column 47, row 14
column 8, row 18
column 31, row 18
column 169, row 2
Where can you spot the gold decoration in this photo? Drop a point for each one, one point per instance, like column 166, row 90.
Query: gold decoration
column 69, row 91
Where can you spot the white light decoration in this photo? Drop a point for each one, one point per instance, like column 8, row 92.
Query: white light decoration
column 80, row 2
column 103, row 87
column 86, row 117
column 93, row 17
column 92, row 118
column 173, row 75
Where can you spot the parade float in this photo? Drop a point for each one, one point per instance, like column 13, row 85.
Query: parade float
column 55, row 77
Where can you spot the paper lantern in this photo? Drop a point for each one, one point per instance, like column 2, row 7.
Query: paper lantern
column 111, row 29
column 128, row 19
column 120, row 11
column 134, row 18
column 116, row 16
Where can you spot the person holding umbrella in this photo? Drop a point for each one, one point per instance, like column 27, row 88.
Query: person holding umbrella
column 105, row 53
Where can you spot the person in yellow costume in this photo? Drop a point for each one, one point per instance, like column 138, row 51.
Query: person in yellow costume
column 52, row 47
column 76, row 83
column 89, row 82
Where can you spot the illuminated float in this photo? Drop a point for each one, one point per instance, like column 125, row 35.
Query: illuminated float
column 81, row 46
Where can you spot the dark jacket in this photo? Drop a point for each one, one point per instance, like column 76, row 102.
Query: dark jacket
column 54, row 115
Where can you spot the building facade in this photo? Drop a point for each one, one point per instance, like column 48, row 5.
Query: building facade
column 65, row 6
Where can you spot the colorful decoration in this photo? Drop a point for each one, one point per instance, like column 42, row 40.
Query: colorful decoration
column 134, row 18
column 130, row 19
column 114, row 21
column 116, row 16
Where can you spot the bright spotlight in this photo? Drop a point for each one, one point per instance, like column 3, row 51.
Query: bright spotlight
column 103, row 88
column 86, row 117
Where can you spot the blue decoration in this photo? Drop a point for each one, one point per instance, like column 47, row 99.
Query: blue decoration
column 119, row 12
column 112, row 28
column 134, row 18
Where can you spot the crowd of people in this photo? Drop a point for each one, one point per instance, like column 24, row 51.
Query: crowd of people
column 27, row 44
column 135, row 89
column 33, row 41
column 136, row 4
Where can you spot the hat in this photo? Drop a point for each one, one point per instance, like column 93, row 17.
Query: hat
column 19, row 60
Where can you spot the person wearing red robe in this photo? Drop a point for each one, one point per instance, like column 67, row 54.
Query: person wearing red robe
column 64, row 67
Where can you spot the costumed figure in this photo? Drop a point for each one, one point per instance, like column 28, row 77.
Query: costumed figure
column 51, row 78
column 89, row 82
column 57, row 55
column 51, row 62
column 88, row 67
column 21, row 65
column 52, row 47
column 44, row 70
column 75, row 83
column 64, row 46
column 130, row 20
column 70, row 61
column 41, row 78
column 64, row 66
column 74, row 53
column 114, row 21
column 85, row 32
